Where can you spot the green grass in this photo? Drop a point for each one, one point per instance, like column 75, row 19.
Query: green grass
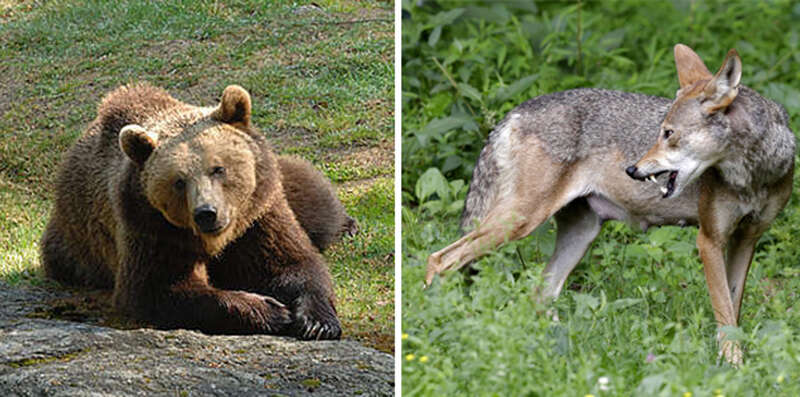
column 636, row 311
column 22, row 218
column 367, row 284
column 321, row 80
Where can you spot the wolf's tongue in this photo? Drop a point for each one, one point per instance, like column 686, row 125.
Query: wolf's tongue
column 670, row 184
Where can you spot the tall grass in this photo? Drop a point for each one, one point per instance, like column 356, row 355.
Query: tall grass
column 635, row 317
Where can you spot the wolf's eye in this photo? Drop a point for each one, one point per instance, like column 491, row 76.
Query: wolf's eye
column 179, row 185
column 667, row 133
column 218, row 171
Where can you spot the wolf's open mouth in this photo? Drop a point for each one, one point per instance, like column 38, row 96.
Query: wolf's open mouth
column 670, row 188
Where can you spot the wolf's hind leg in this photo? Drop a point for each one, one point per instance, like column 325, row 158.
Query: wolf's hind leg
column 577, row 226
column 503, row 223
column 523, row 200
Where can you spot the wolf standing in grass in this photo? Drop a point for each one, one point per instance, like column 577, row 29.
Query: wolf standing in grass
column 723, row 160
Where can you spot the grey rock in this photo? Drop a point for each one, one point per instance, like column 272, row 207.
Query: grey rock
column 50, row 357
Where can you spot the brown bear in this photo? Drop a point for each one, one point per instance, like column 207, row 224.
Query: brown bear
column 188, row 215
column 314, row 202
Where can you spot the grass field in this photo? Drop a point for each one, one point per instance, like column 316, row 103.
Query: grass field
column 635, row 317
column 320, row 75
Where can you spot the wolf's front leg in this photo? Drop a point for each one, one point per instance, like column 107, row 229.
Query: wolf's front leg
column 740, row 254
column 711, row 252
column 743, row 241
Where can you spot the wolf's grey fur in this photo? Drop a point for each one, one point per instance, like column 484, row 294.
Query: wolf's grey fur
column 577, row 123
column 761, row 137
column 481, row 190
column 721, row 156
column 573, row 124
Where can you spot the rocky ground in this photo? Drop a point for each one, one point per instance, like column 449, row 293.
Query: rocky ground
column 47, row 356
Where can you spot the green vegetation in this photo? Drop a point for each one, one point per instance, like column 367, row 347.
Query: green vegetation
column 635, row 317
column 321, row 77
column 27, row 362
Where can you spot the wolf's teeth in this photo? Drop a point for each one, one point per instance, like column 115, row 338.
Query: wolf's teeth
column 663, row 190
column 652, row 178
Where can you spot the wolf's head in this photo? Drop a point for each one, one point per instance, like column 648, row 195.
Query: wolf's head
column 695, row 131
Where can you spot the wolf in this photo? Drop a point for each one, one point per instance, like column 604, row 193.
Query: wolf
column 723, row 159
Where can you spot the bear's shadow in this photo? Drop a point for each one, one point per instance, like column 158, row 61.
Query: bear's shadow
column 84, row 306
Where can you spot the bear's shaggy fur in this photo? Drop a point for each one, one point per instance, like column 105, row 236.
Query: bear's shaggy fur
column 314, row 202
column 183, row 211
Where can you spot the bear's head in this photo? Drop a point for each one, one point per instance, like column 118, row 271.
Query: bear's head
column 205, row 173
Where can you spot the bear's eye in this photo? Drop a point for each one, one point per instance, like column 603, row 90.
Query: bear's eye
column 179, row 185
column 218, row 171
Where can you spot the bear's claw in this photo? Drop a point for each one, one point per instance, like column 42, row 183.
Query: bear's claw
column 318, row 331
column 315, row 319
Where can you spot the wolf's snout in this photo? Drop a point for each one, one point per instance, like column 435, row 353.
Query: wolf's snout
column 631, row 171
column 205, row 216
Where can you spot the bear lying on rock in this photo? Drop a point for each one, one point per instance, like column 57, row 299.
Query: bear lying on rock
column 188, row 215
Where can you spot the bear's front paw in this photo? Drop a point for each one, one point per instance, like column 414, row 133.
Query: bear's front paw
column 315, row 319
column 279, row 315
column 266, row 312
column 316, row 330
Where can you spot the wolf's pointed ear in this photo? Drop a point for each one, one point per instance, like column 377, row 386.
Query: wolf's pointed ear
column 137, row 143
column 723, row 88
column 690, row 67
column 234, row 107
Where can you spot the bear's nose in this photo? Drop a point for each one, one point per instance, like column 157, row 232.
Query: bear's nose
column 205, row 216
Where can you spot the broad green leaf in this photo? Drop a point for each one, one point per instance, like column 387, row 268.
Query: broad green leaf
column 469, row 92
column 434, row 37
column 505, row 93
column 455, row 206
column 456, row 185
column 651, row 385
column 445, row 17
column 439, row 126
column 623, row 303
column 432, row 181
column 451, row 163
column 585, row 305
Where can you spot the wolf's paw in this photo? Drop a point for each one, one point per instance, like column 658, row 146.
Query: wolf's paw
column 434, row 264
column 731, row 351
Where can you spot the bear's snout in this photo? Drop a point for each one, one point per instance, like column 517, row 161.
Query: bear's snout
column 205, row 217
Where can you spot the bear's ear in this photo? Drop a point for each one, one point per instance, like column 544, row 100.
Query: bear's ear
column 234, row 107
column 137, row 143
